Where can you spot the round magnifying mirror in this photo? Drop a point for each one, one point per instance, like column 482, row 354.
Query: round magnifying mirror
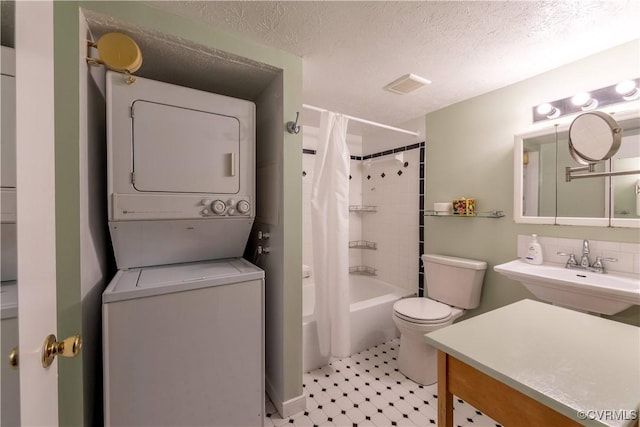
column 594, row 136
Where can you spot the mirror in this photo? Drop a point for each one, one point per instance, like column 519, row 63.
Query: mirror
column 543, row 196
column 626, row 188
column 593, row 137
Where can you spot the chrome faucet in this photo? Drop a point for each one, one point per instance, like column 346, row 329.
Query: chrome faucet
column 584, row 261
column 585, row 264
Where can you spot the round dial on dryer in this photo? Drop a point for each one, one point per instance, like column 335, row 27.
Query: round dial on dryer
column 243, row 207
column 218, row 207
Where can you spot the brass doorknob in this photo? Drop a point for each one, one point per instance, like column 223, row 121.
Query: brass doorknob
column 13, row 358
column 51, row 348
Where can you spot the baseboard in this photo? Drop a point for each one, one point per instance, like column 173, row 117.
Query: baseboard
column 288, row 408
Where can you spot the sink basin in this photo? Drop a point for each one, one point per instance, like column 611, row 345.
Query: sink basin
column 608, row 293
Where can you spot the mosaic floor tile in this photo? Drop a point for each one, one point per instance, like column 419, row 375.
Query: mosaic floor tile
column 368, row 390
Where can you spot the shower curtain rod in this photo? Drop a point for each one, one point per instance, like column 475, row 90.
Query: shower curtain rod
column 368, row 122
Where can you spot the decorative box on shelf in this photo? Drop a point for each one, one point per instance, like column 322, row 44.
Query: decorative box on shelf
column 464, row 206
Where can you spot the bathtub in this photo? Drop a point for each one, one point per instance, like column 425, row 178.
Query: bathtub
column 371, row 322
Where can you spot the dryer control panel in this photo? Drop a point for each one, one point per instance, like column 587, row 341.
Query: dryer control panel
column 229, row 207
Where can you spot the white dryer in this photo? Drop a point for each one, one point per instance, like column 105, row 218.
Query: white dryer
column 181, row 172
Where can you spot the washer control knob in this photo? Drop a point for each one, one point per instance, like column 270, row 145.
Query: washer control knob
column 243, row 207
column 218, row 207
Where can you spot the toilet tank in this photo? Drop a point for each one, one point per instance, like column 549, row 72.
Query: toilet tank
column 454, row 281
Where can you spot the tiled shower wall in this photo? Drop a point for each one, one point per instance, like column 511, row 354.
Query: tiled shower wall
column 396, row 187
column 391, row 182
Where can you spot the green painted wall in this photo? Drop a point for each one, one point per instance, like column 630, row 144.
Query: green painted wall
column 469, row 152
column 67, row 173
column 67, row 43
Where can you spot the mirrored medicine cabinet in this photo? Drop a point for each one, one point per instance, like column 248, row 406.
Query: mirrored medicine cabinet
column 542, row 195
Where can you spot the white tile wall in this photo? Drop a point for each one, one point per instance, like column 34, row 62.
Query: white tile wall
column 355, row 219
column 627, row 254
column 394, row 227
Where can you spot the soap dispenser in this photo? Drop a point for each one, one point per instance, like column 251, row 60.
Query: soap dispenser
column 534, row 253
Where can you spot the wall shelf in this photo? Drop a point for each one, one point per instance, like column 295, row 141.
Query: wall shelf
column 489, row 214
column 362, row 244
column 362, row 208
column 363, row 270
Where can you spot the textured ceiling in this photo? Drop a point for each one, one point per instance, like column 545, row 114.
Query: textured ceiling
column 178, row 61
column 352, row 49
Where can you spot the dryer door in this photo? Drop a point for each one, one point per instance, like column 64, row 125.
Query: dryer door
column 181, row 150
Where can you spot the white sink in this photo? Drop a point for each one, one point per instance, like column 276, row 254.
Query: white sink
column 608, row 293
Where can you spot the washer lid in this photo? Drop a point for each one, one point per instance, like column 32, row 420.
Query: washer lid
column 422, row 310
column 166, row 279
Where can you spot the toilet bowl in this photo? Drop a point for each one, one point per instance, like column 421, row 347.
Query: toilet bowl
column 455, row 284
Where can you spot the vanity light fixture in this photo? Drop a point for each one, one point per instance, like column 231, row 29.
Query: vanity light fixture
column 625, row 91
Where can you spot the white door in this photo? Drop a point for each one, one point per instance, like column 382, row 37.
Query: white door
column 36, row 209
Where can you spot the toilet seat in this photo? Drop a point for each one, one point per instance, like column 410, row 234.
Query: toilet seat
column 422, row 311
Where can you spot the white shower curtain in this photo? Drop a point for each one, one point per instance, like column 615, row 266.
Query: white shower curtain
column 330, row 224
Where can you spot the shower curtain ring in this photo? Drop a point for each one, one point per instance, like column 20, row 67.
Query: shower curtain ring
column 293, row 127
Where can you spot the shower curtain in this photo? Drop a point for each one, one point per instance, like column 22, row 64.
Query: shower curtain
column 330, row 224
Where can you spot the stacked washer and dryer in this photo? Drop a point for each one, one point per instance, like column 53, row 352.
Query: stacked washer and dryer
column 183, row 318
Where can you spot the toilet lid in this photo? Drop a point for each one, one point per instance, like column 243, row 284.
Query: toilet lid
column 422, row 310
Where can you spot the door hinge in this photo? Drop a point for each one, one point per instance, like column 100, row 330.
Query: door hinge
column 133, row 177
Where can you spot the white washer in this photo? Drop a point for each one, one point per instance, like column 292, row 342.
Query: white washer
column 184, row 345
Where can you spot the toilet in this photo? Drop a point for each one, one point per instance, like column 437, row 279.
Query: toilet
column 453, row 285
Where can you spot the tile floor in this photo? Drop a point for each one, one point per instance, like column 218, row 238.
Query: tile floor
column 367, row 389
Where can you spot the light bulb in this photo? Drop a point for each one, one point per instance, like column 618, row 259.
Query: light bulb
column 548, row 110
column 544, row 109
column 580, row 99
column 584, row 101
column 628, row 90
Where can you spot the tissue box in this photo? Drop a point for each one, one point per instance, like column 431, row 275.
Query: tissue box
column 443, row 208
column 464, row 206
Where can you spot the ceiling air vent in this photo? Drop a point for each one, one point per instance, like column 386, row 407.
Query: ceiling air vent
column 406, row 84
